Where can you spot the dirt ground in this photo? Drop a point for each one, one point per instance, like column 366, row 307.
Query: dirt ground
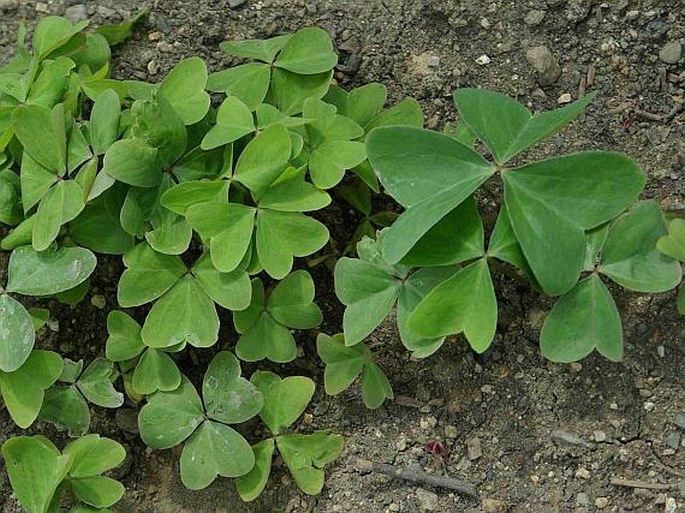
column 529, row 434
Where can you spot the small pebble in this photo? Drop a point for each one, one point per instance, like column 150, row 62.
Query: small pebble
column 680, row 420
column 473, row 448
column 483, row 60
column 566, row 437
column 546, row 65
column 661, row 351
column 534, row 17
column 451, row 431
column 98, row 301
column 76, row 13
column 671, row 52
column 433, row 61
column 576, row 367
column 53, row 325
column 601, row 502
column 152, row 67
column 582, row 499
column 427, row 500
column 564, row 98
column 649, row 406
column 42, row 7
column 671, row 505
column 583, row 473
column 673, row 441
column 600, row 436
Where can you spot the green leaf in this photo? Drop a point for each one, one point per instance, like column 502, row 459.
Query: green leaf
column 248, row 82
column 264, row 159
column 369, row 294
column 71, row 370
column 51, row 83
column 294, row 195
column 184, row 88
column 227, row 227
column 44, row 273
column 120, row 32
column 330, row 160
column 292, row 302
column 160, row 126
column 630, row 256
column 42, row 135
column 306, row 455
column 170, row 417
column 148, row 276
column 184, row 314
column 78, row 150
column 155, row 371
column 23, row 390
column 405, row 113
column 361, row 104
column 343, row 364
column 233, row 121
column 52, row 32
column 61, row 204
column 265, row 339
column 98, row 227
column 181, row 197
column 97, row 491
column 133, row 161
column 10, row 198
column 250, row 485
column 503, row 244
column 66, row 409
column 39, row 316
column 466, row 302
column 457, row 237
column 35, row 182
column 104, row 121
column 214, row 450
column 228, row 397
column 290, row 90
column 400, row 155
column 507, row 127
column 230, row 290
column 260, row 49
column 673, row 244
column 36, row 469
column 552, row 203
column 284, row 399
column 96, row 384
column 584, row 319
column 93, row 455
column 284, row 235
column 375, row 386
column 74, row 296
column 17, row 334
column 309, row 51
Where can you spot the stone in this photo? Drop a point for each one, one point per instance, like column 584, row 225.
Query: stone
column 561, row 437
column 8, row 5
column 494, row 506
column 673, row 441
column 545, row 64
column 582, row 499
column 434, row 61
column 583, row 473
column 680, row 420
column 671, row 506
column 152, row 67
column 473, row 448
column 451, row 431
column 649, row 406
column 600, row 436
column 601, row 502
column 483, row 60
column 98, row 301
column 671, row 52
column 534, row 17
column 236, row 3
column 76, row 13
column 42, row 7
column 564, row 98
column 427, row 500
column 105, row 12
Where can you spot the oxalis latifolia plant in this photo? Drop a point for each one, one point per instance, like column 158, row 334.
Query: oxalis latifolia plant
column 209, row 208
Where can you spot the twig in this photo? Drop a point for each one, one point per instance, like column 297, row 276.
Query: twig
column 629, row 483
column 648, row 115
column 417, row 476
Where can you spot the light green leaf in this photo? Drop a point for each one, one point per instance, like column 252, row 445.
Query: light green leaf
column 78, row 149
column 375, row 386
column 290, row 90
column 630, row 256
column 119, row 32
column 584, row 319
column 292, row 302
column 17, row 334
column 330, row 160
column 168, row 418
column 11, row 198
column 61, row 204
column 265, row 338
column 214, row 450
column 97, row 491
column 233, row 121
column 50, row 85
column 184, row 88
column 148, row 275
column 264, row 159
column 155, row 371
column 507, row 127
column 249, row 82
column 284, row 399
column 93, row 455
column 309, row 51
column 98, row 227
column 369, row 294
column 36, row 469
column 184, row 314
column 52, row 32
column 23, row 390
column 227, row 227
column 466, row 302
column 306, row 455
column 134, row 162
column 400, row 155
column 343, row 364
column 228, row 397
column 96, row 384
column 553, row 202
column 503, row 244
column 250, row 485
column 260, row 49
column 294, row 195
column 284, row 235
column 41, row 133
column 66, row 409
column 181, row 197
column 405, row 113
column 673, row 244
column 230, row 290
column 35, row 182
column 363, row 103
column 104, row 121
column 44, row 273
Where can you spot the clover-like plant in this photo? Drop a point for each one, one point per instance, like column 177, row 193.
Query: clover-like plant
column 212, row 447
column 345, row 363
column 304, row 455
column 265, row 325
column 40, row 474
column 673, row 245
